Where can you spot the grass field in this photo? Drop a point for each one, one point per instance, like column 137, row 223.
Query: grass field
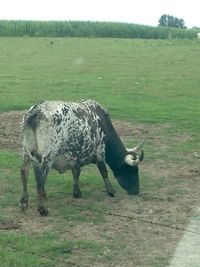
column 138, row 80
column 151, row 89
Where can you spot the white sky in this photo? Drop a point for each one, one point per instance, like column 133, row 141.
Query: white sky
column 146, row 12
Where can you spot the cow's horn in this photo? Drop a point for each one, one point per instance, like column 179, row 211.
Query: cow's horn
column 136, row 148
column 130, row 160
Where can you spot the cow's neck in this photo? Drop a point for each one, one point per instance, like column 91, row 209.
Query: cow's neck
column 115, row 150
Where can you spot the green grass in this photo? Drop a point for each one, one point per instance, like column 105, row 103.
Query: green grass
column 38, row 255
column 153, row 83
column 140, row 80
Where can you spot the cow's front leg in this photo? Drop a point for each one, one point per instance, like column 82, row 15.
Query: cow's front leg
column 109, row 188
column 40, row 176
column 24, row 178
column 76, row 189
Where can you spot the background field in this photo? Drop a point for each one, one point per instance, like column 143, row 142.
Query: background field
column 90, row 29
column 151, row 89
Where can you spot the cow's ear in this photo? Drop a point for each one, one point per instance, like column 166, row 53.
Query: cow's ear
column 134, row 160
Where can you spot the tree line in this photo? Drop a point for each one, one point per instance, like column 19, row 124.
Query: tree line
column 171, row 21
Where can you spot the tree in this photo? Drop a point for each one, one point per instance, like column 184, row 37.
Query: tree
column 171, row 21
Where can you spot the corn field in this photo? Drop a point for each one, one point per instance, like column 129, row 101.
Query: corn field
column 90, row 29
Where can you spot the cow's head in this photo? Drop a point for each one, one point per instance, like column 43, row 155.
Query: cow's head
column 128, row 174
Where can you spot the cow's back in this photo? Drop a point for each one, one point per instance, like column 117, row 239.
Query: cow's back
column 71, row 131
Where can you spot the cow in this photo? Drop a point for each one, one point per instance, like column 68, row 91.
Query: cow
column 68, row 135
column 198, row 35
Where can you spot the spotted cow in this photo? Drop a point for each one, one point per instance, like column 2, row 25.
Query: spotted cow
column 69, row 135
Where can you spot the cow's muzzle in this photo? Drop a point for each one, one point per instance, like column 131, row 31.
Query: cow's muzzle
column 133, row 192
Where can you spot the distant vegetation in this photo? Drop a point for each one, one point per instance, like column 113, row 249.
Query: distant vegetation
column 90, row 29
column 171, row 21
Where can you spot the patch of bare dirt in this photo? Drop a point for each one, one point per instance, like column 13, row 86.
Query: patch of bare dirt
column 9, row 225
column 10, row 130
column 31, row 223
column 11, row 122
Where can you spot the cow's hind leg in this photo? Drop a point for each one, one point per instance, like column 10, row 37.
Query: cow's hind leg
column 40, row 176
column 24, row 178
column 76, row 189
column 109, row 188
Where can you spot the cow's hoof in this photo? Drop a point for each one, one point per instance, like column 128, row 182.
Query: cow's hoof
column 77, row 194
column 23, row 203
column 43, row 211
column 112, row 193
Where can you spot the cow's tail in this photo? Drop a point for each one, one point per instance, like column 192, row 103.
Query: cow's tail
column 29, row 140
